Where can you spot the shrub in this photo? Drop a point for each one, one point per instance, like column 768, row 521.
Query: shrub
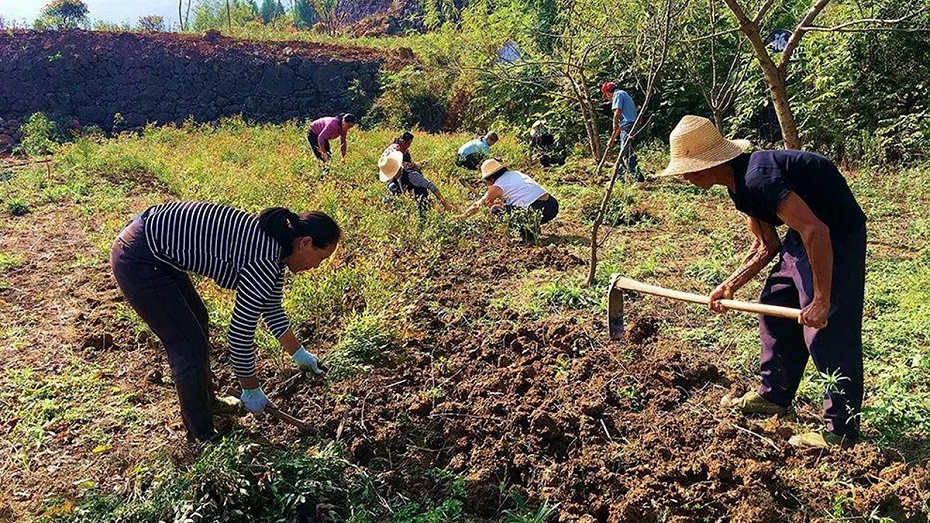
column 412, row 98
column 40, row 135
column 17, row 207
column 367, row 340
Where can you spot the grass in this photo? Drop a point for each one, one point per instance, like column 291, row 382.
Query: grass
column 666, row 233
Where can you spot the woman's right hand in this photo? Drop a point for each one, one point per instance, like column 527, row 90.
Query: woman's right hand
column 254, row 400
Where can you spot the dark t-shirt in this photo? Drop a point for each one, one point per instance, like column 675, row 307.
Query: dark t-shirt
column 764, row 179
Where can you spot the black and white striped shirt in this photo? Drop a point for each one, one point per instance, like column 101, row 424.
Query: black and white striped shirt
column 227, row 245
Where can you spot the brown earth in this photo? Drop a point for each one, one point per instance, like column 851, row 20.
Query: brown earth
column 144, row 46
column 544, row 407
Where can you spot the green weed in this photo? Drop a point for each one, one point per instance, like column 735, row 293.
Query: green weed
column 366, row 340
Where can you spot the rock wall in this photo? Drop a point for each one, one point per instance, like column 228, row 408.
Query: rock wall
column 165, row 77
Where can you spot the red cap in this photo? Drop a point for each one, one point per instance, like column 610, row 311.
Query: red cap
column 607, row 88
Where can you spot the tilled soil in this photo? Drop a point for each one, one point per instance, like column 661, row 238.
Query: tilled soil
column 613, row 432
column 547, row 408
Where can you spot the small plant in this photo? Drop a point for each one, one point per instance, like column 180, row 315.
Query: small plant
column 367, row 340
column 40, row 135
column 565, row 293
column 17, row 207
column 526, row 223
column 524, row 514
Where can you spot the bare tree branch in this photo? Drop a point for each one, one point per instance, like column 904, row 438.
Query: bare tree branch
column 877, row 21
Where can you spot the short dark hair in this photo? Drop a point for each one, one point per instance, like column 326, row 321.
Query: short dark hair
column 406, row 137
column 284, row 225
column 492, row 136
column 348, row 117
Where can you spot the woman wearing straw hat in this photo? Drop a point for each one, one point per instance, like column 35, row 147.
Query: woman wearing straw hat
column 396, row 169
column 509, row 189
column 821, row 268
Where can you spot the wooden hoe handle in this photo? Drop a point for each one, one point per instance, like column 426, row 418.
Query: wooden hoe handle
column 758, row 308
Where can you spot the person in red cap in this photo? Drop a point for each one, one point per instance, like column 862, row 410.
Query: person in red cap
column 624, row 115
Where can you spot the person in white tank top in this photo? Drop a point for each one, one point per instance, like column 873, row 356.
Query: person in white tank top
column 508, row 189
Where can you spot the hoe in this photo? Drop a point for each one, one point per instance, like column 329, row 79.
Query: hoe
column 618, row 284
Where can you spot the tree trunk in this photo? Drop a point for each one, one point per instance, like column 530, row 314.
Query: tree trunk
column 228, row 16
column 779, row 93
column 180, row 16
column 718, row 120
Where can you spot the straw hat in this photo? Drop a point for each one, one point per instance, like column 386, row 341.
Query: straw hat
column 491, row 166
column 389, row 165
column 696, row 144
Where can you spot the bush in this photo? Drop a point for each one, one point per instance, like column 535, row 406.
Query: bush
column 40, row 135
column 17, row 207
column 412, row 98
column 367, row 340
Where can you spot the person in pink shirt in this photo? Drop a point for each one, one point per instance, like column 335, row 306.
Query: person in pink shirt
column 327, row 128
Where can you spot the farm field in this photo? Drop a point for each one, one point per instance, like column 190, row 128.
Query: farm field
column 471, row 374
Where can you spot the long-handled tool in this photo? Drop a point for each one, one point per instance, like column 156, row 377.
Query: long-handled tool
column 619, row 283
column 276, row 413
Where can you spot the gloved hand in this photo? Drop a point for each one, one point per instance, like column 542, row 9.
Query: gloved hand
column 254, row 400
column 305, row 360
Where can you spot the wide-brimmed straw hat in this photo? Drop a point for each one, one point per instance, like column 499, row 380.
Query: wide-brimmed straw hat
column 389, row 165
column 490, row 167
column 696, row 144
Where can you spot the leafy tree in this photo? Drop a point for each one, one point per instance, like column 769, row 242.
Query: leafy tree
column 304, row 14
column 62, row 14
column 907, row 15
column 270, row 10
column 152, row 24
column 213, row 14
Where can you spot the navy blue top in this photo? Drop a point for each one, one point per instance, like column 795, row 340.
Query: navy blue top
column 764, row 179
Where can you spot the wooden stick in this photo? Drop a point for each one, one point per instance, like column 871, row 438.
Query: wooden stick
column 758, row 308
column 287, row 418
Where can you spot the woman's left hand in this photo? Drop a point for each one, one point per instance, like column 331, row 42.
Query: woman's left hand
column 308, row 361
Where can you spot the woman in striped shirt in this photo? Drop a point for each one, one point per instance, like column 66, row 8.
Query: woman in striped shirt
column 151, row 258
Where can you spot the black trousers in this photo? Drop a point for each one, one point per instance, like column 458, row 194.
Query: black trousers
column 471, row 162
column 549, row 208
column 166, row 300
column 836, row 349
column 314, row 140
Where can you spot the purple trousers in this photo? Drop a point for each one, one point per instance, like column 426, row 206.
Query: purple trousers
column 166, row 300
column 836, row 349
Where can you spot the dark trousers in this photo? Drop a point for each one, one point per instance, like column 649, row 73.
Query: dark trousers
column 316, row 147
column 549, row 208
column 471, row 162
column 166, row 300
column 836, row 349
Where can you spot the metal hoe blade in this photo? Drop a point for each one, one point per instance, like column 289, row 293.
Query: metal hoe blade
column 615, row 309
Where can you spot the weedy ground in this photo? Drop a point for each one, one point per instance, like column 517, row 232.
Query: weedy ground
column 471, row 375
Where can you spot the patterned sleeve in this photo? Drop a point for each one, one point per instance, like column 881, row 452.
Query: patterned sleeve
column 255, row 286
column 418, row 180
column 273, row 314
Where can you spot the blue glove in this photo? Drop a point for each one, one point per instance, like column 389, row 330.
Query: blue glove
column 305, row 360
column 254, row 400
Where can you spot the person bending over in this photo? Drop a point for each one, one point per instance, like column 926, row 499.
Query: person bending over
column 473, row 152
column 151, row 259
column 397, row 169
column 328, row 128
column 820, row 268
column 509, row 190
